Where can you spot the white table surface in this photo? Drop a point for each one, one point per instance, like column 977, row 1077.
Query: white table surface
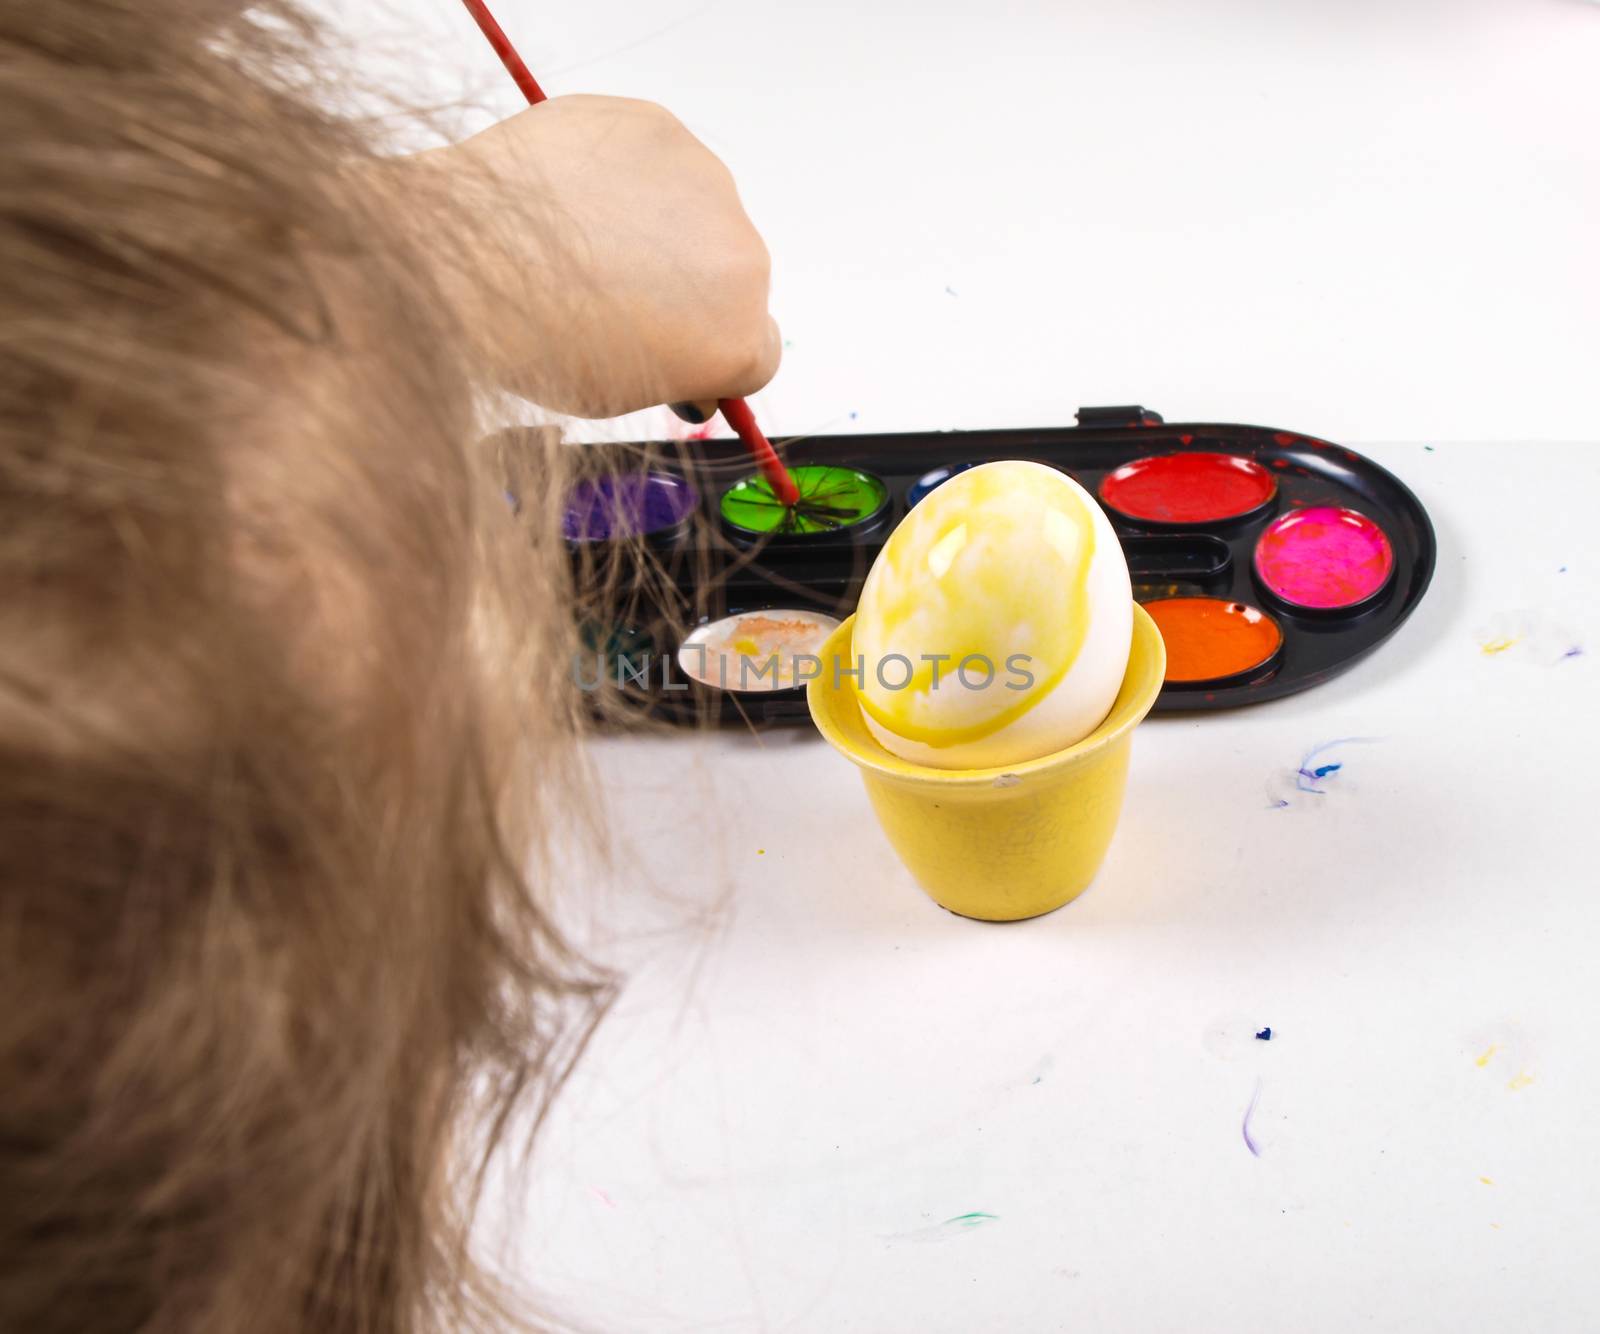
column 813, row 1069
column 1365, row 221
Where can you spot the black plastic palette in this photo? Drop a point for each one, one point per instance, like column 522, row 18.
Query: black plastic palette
column 719, row 570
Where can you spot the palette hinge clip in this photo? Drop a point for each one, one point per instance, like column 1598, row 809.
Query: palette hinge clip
column 1123, row 415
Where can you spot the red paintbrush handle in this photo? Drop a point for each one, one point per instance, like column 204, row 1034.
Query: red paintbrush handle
column 738, row 415
column 503, row 48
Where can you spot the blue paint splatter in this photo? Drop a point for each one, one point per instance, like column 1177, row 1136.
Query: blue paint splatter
column 1265, row 1035
column 1305, row 776
column 1576, row 651
column 854, row 415
column 1321, row 771
column 1310, row 773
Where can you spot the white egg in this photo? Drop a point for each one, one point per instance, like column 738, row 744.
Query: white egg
column 995, row 625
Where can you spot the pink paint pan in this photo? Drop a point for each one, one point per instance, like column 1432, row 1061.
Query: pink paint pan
column 1324, row 559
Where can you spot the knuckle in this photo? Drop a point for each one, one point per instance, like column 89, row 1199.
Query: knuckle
column 655, row 115
column 749, row 354
column 742, row 277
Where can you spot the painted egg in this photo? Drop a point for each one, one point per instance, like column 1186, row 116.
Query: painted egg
column 995, row 625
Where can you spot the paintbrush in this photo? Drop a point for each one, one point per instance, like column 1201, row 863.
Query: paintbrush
column 735, row 411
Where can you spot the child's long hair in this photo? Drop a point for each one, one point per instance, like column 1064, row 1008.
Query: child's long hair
column 272, row 657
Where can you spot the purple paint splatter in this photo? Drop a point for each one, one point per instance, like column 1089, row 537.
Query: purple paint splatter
column 1244, row 1127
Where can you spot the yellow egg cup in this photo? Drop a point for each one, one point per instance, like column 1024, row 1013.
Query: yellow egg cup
column 997, row 844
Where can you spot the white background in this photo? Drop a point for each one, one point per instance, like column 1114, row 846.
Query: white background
column 1368, row 221
column 1362, row 219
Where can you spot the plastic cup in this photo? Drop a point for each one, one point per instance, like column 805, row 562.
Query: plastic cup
column 997, row 844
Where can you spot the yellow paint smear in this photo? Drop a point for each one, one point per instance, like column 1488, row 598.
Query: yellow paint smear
column 992, row 565
column 1486, row 1181
column 1520, row 1082
column 1499, row 646
column 1484, row 1059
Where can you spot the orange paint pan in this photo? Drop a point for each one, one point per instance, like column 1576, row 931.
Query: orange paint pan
column 1214, row 639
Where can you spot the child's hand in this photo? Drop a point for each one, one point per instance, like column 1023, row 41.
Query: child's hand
column 616, row 267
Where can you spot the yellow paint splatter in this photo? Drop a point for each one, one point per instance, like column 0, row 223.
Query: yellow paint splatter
column 761, row 852
column 1499, row 645
column 1485, row 1058
column 1522, row 1081
column 1486, row 1181
column 1495, row 1226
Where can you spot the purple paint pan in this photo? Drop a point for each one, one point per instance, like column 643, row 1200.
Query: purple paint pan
column 645, row 504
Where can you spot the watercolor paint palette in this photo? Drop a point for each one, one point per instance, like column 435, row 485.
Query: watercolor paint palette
column 1271, row 560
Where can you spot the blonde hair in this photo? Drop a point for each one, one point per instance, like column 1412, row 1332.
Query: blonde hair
column 274, row 655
